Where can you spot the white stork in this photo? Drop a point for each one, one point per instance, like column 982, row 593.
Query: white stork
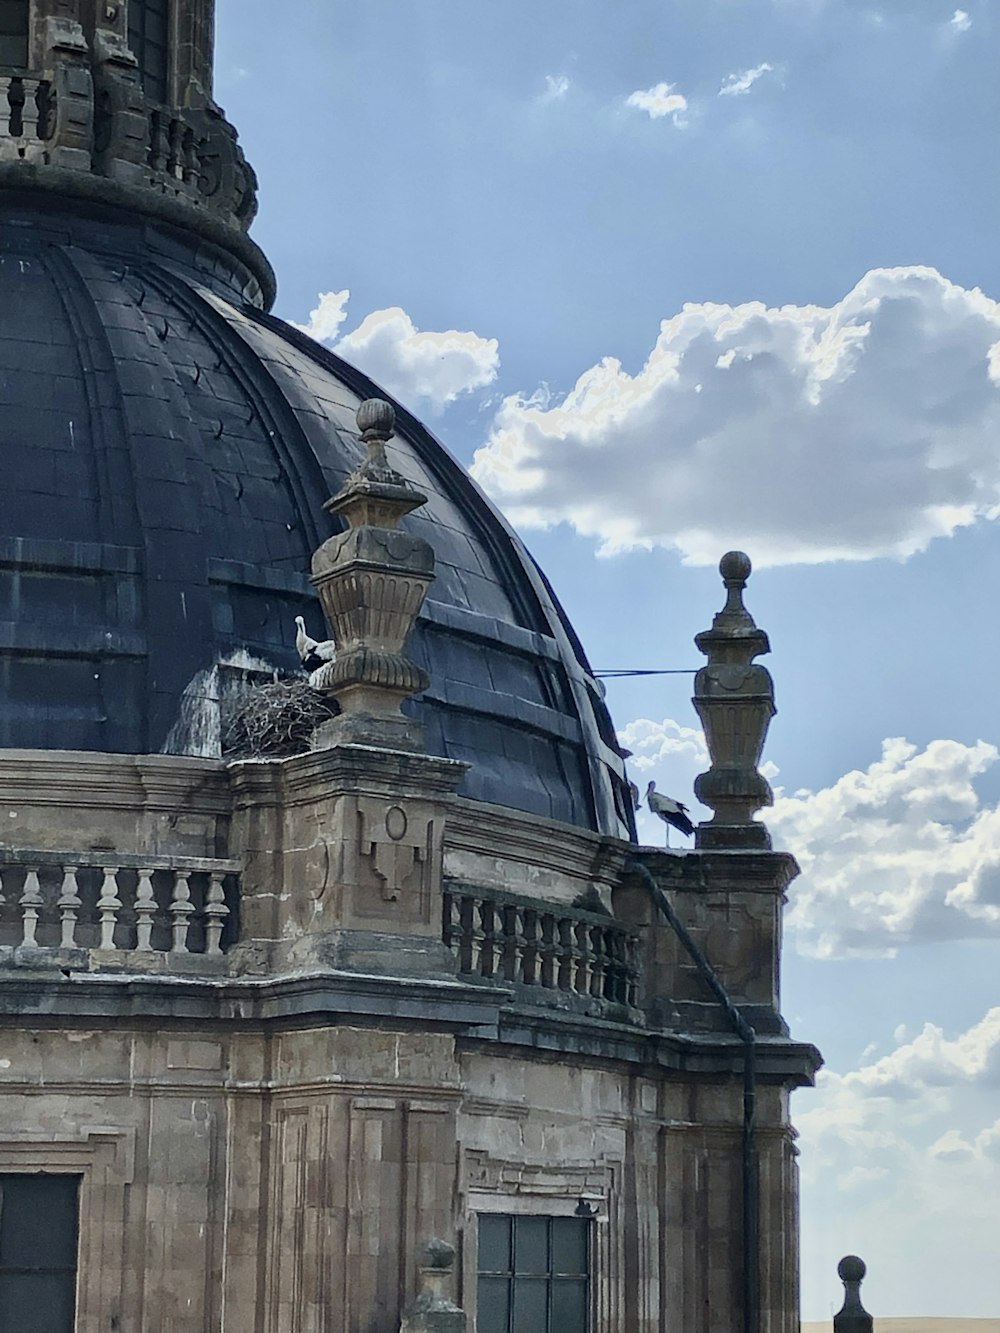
column 670, row 811
column 313, row 654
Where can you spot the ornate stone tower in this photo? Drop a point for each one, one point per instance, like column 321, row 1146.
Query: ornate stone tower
column 112, row 103
column 383, row 1024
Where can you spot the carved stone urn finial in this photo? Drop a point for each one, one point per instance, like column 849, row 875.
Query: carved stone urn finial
column 433, row 1311
column 371, row 581
column 735, row 700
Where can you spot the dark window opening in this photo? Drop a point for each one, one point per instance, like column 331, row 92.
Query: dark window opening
column 14, row 33
column 534, row 1275
column 38, row 1252
column 149, row 40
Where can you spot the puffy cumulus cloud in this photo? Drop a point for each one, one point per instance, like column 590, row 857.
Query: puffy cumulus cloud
column 661, row 100
column 960, row 21
column 932, row 1060
column 900, row 852
column 325, row 321
column 415, row 366
column 436, row 367
column 652, row 743
column 800, row 434
column 912, row 1157
column 739, row 83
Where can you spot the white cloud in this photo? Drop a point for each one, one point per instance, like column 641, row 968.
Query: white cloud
column 653, row 742
column 735, row 85
column 961, row 21
column 801, row 434
column 659, row 101
column 556, row 87
column 900, row 1160
column 325, row 321
column 416, row 366
column 903, row 852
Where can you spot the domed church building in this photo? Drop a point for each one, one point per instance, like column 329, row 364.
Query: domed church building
column 336, row 995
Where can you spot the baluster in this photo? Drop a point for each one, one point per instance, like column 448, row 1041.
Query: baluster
column 15, row 100
column 157, row 142
column 192, row 159
column 509, row 951
column 580, row 936
column 548, row 950
column 467, row 934
column 216, row 912
column 31, row 901
column 69, row 904
column 632, row 971
column 487, row 948
column 448, row 919
column 109, row 905
column 5, row 107
column 145, row 910
column 529, row 946
column 564, row 940
column 181, row 909
column 616, row 981
column 600, row 946
column 29, row 112
column 175, row 132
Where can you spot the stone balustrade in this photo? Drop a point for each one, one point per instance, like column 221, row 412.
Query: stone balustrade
column 24, row 118
column 541, row 946
column 142, row 905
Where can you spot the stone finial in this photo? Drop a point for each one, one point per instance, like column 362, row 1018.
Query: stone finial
column 853, row 1317
column 735, row 700
column 371, row 581
column 433, row 1311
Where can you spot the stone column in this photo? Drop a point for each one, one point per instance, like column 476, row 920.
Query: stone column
column 371, row 581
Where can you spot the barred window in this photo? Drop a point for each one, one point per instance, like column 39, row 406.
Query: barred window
column 534, row 1275
column 149, row 40
column 38, row 1252
column 14, row 33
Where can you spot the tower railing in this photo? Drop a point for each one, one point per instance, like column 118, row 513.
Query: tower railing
column 155, row 909
column 24, row 117
column 552, row 951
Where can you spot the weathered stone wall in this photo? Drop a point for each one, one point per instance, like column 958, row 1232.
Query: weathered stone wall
column 238, row 1181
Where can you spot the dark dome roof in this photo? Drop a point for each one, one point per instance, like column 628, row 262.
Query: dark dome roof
column 167, row 450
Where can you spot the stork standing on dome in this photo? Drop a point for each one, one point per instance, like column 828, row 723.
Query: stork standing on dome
column 670, row 811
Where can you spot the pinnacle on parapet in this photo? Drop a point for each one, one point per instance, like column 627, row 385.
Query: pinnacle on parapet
column 853, row 1317
column 376, row 421
column 372, row 580
column 734, row 698
column 735, row 568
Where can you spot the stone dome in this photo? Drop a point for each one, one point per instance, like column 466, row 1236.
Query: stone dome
column 168, row 448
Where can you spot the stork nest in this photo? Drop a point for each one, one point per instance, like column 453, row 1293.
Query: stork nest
column 275, row 720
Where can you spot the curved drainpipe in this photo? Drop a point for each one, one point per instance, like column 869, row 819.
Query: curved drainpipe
column 746, row 1034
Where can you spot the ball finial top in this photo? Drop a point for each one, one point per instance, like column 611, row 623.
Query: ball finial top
column 735, row 567
column 851, row 1268
column 376, row 419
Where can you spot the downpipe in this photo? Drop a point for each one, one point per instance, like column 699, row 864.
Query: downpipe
column 746, row 1034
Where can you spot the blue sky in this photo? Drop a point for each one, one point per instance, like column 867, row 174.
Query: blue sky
column 677, row 276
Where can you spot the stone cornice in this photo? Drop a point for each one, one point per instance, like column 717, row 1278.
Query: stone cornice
column 474, row 826
column 99, row 781
column 31, row 182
